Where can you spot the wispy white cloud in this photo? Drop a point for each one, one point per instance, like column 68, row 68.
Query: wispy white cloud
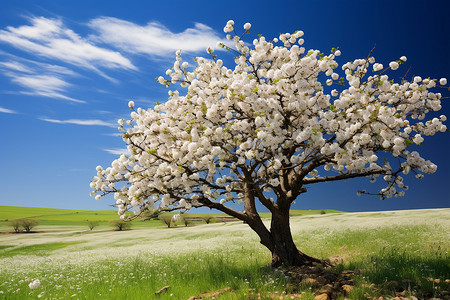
column 117, row 151
column 50, row 86
column 16, row 63
column 52, row 39
column 103, row 112
column 154, row 38
column 37, row 78
column 54, row 69
column 80, row 122
column 15, row 66
column 7, row 111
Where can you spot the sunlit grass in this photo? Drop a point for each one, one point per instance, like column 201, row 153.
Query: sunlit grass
column 49, row 217
column 394, row 250
column 38, row 249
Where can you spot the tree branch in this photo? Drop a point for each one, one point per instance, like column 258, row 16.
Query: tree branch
column 340, row 177
column 208, row 203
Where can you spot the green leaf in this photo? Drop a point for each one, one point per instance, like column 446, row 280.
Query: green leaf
column 333, row 108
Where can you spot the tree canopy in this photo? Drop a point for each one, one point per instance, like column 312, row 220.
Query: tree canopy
column 279, row 120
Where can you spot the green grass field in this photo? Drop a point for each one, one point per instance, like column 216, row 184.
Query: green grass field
column 65, row 218
column 52, row 216
column 400, row 251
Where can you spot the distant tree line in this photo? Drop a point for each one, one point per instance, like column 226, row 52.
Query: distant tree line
column 23, row 225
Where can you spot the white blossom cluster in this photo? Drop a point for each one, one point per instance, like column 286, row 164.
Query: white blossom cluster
column 271, row 122
column 34, row 284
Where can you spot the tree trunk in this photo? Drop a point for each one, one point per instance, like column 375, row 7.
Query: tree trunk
column 278, row 239
column 284, row 251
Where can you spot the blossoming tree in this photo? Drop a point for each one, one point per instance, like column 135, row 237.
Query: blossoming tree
column 279, row 121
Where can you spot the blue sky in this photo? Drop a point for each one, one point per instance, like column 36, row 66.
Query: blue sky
column 69, row 68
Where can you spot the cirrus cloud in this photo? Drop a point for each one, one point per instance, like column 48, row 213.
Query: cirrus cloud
column 54, row 48
column 43, row 85
column 7, row 111
column 80, row 122
column 154, row 38
column 50, row 38
column 117, row 151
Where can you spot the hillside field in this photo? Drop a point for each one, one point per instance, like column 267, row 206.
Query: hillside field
column 389, row 254
column 69, row 217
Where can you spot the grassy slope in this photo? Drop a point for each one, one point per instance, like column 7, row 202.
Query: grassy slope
column 401, row 248
column 17, row 212
column 69, row 217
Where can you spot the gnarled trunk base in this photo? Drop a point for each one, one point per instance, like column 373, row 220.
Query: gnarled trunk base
column 295, row 258
column 282, row 246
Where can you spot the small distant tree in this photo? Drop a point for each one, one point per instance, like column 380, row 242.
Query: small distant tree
column 120, row 224
column 16, row 224
column 166, row 219
column 92, row 224
column 263, row 130
column 322, row 212
column 28, row 224
column 207, row 218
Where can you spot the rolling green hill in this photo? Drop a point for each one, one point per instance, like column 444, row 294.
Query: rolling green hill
column 53, row 216
column 71, row 217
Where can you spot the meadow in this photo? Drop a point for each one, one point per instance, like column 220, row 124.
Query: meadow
column 403, row 252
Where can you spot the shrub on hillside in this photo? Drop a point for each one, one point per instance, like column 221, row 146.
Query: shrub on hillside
column 23, row 224
column 120, row 224
column 92, row 224
column 16, row 225
column 166, row 219
column 208, row 219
